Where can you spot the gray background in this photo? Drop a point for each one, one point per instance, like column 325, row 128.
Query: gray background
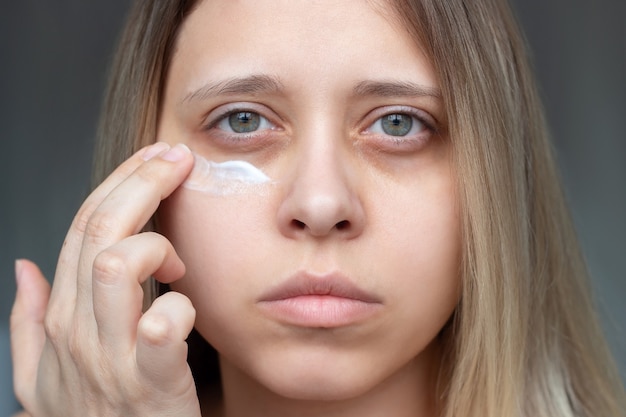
column 53, row 61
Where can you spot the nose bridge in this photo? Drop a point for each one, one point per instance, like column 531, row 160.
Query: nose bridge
column 322, row 195
column 321, row 168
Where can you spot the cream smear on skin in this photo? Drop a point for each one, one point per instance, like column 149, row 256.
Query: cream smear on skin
column 225, row 178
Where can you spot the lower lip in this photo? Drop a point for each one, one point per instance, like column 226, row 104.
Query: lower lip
column 321, row 311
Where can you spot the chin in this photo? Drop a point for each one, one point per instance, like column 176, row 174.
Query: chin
column 316, row 373
column 318, row 388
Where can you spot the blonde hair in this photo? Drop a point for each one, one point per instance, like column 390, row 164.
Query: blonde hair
column 525, row 340
column 132, row 101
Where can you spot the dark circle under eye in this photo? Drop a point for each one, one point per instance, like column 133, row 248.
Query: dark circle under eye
column 244, row 121
column 397, row 124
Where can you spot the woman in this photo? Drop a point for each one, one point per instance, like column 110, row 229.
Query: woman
column 409, row 253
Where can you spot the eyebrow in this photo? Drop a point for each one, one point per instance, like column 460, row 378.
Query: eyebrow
column 395, row 89
column 253, row 84
column 266, row 84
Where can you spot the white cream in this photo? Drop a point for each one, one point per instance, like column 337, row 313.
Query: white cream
column 225, row 178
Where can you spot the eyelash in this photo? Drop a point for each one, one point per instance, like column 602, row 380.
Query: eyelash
column 222, row 117
column 426, row 121
column 408, row 141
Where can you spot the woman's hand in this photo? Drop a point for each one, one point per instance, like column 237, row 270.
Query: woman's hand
column 84, row 348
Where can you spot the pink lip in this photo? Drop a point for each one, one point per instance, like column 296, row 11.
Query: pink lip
column 321, row 301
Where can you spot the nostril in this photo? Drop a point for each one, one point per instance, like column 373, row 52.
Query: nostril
column 298, row 224
column 344, row 224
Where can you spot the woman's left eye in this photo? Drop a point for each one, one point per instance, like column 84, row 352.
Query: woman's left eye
column 243, row 122
column 397, row 125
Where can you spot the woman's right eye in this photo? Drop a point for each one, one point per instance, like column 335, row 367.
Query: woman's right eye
column 242, row 122
column 242, row 126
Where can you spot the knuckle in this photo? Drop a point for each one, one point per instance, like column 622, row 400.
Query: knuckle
column 53, row 327
column 155, row 329
column 101, row 226
column 109, row 266
column 77, row 338
column 81, row 220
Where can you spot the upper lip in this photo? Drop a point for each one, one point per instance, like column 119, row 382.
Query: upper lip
column 332, row 285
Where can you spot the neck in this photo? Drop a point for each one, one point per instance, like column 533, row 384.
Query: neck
column 408, row 392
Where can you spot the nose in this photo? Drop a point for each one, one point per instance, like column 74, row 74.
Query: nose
column 321, row 197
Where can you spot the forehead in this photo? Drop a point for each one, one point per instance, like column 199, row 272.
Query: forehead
column 297, row 40
column 300, row 14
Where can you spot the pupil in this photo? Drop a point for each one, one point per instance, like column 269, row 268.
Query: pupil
column 397, row 124
column 244, row 122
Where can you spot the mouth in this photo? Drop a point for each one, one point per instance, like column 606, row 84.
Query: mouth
column 319, row 301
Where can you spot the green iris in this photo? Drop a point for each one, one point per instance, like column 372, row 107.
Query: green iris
column 244, row 121
column 397, row 124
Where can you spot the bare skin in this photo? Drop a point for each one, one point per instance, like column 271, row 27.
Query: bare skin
column 354, row 205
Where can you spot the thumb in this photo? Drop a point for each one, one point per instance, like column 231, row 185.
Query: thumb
column 27, row 329
column 161, row 343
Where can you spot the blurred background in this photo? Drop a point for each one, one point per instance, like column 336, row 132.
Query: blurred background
column 54, row 57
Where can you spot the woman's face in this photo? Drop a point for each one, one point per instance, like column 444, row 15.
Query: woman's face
column 339, row 273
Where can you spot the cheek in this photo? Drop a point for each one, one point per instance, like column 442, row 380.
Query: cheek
column 432, row 270
column 229, row 256
column 212, row 235
column 422, row 252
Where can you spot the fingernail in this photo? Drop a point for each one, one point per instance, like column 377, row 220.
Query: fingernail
column 18, row 271
column 154, row 150
column 177, row 153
